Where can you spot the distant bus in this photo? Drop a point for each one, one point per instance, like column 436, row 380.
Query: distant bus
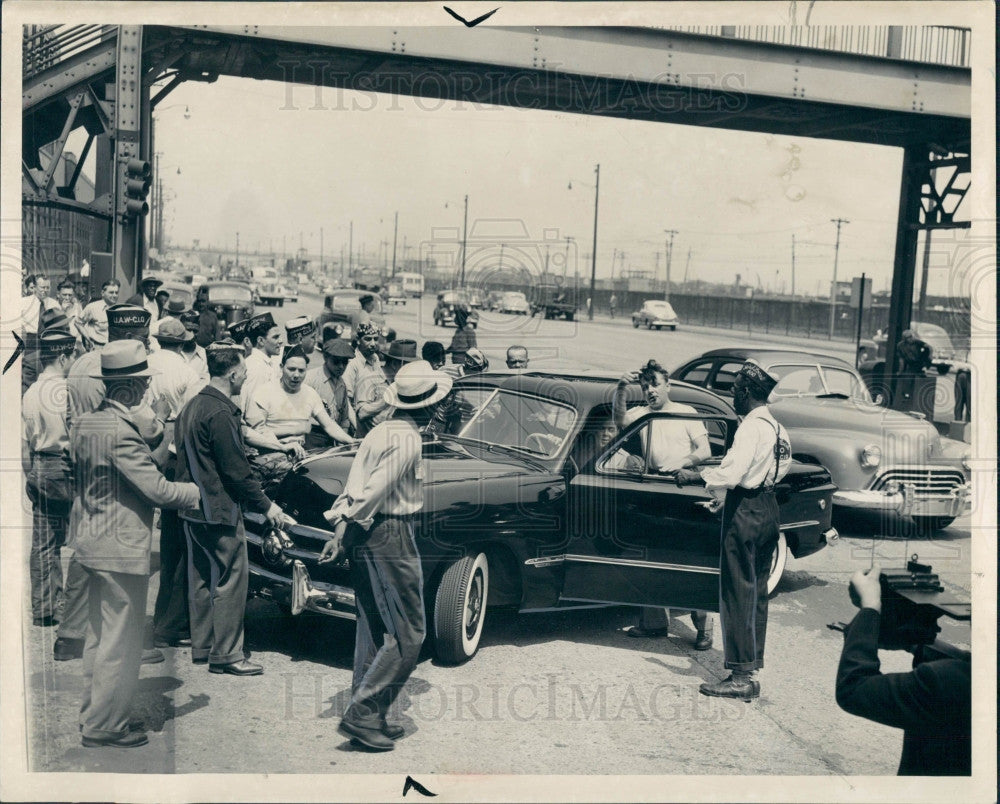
column 413, row 283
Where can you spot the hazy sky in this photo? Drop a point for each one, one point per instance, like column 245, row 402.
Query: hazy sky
column 273, row 160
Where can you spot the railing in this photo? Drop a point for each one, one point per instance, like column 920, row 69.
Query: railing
column 931, row 44
column 44, row 46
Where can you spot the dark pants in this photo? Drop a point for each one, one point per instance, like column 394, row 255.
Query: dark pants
column 389, row 590
column 31, row 364
column 170, row 614
column 49, row 486
column 218, row 575
column 963, row 398
column 652, row 618
column 111, row 656
column 75, row 613
column 749, row 536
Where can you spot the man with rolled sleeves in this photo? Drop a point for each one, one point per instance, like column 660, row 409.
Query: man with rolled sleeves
column 48, row 472
column 759, row 458
column 210, row 450
column 119, row 487
column 328, row 381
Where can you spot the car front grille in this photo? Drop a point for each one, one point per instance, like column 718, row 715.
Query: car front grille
column 925, row 482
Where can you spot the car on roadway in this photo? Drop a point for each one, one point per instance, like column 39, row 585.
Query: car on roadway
column 512, row 301
column 393, row 294
column 232, row 301
column 881, row 460
column 524, row 508
column 291, row 286
column 179, row 291
column 340, row 304
column 450, row 300
column 655, row 314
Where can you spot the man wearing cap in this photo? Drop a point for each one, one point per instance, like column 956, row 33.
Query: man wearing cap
column 328, row 381
column 475, row 362
column 191, row 353
column 119, row 486
column 238, row 332
column 370, row 407
column 45, row 459
column 210, row 448
column 373, row 522
column 517, row 357
column 759, row 458
column 301, row 331
column 146, row 297
column 464, row 337
column 453, row 411
column 93, row 321
column 914, row 355
column 366, row 359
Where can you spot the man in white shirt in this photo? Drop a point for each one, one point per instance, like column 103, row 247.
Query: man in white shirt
column 760, row 456
column 263, row 363
column 146, row 297
column 669, row 445
column 93, row 321
column 372, row 521
column 31, row 311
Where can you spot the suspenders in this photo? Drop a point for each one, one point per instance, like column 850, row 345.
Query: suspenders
column 777, row 456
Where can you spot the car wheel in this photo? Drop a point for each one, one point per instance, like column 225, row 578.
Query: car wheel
column 649, row 325
column 281, row 302
column 673, row 329
column 569, row 316
column 460, row 609
column 929, row 524
column 778, row 560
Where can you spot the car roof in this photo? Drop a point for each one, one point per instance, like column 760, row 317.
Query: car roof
column 769, row 354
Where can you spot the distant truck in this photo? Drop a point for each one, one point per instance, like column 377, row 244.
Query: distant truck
column 553, row 301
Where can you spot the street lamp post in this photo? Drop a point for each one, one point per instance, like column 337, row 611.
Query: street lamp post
column 465, row 231
column 669, row 249
column 593, row 255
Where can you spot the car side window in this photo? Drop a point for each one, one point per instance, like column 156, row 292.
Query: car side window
column 697, row 374
column 672, row 441
column 726, row 376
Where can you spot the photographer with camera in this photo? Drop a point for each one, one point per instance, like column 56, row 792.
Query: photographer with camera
column 932, row 703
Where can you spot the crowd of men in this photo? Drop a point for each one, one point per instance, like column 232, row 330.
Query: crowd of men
column 204, row 424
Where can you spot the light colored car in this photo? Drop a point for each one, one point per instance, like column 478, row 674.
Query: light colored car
column 655, row 314
column 881, row 460
column 393, row 294
column 513, row 301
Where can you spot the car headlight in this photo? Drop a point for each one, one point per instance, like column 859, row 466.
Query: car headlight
column 871, row 456
column 966, row 463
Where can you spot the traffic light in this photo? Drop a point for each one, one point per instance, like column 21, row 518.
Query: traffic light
column 137, row 173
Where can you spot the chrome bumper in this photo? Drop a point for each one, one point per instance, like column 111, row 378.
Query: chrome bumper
column 322, row 598
column 906, row 501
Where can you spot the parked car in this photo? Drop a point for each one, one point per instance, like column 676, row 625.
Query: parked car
column 232, row 301
column 393, row 294
column 342, row 303
column 179, row 291
column 655, row 314
column 447, row 302
column 512, row 301
column 291, row 287
column 881, row 460
column 522, row 509
column 271, row 293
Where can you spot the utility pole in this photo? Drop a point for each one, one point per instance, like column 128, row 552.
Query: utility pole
column 545, row 273
column 593, row 256
column 922, row 303
column 237, row 268
column 465, row 232
column 395, row 232
column 793, row 266
column 500, row 270
column 350, row 251
column 321, row 249
column 833, row 289
column 669, row 249
column 687, row 264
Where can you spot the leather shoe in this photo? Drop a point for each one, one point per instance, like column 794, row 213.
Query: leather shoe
column 132, row 739
column 241, row 668
column 742, row 688
column 369, row 736
column 392, row 730
column 646, row 633
column 152, row 656
column 176, row 642
column 66, row 649
column 703, row 640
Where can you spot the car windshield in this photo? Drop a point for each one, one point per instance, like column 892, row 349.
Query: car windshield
column 520, row 297
column 228, row 293
column 815, row 380
column 934, row 336
column 182, row 292
column 455, row 297
column 350, row 303
column 530, row 423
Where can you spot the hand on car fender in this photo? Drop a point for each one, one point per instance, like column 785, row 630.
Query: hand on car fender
column 686, row 477
column 334, row 548
column 277, row 518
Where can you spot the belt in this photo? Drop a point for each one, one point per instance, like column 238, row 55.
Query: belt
column 381, row 517
column 745, row 492
column 50, row 456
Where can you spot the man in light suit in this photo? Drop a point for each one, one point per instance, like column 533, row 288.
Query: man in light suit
column 118, row 486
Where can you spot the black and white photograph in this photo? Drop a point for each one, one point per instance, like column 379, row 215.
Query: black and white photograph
column 415, row 401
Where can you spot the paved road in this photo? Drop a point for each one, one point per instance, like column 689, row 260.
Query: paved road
column 562, row 692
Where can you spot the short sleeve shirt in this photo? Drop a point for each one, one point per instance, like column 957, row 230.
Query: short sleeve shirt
column 272, row 408
column 671, row 441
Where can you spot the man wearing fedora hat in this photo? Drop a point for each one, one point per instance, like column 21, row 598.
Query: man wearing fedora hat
column 328, row 381
column 112, row 537
column 48, row 472
column 372, row 521
column 146, row 297
column 370, row 407
column 759, row 457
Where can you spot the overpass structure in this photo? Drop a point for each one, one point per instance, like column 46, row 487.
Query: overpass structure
column 891, row 88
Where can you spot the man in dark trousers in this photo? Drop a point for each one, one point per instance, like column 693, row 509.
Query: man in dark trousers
column 210, row 451
column 932, row 704
column 372, row 521
column 759, row 458
column 119, row 485
column 914, row 356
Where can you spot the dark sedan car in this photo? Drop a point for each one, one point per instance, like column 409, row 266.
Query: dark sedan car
column 232, row 301
column 525, row 506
